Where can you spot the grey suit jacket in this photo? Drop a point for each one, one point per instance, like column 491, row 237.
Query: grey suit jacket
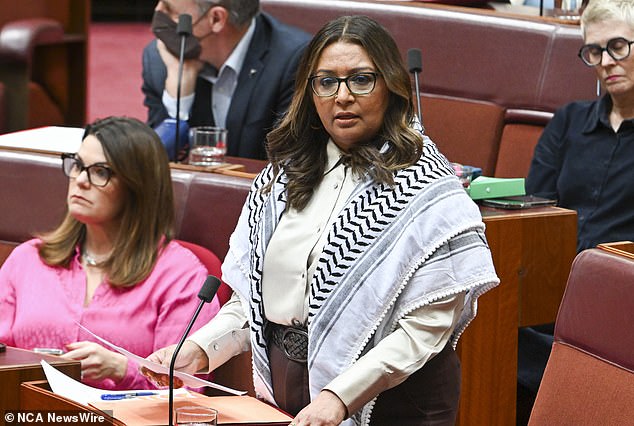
column 265, row 86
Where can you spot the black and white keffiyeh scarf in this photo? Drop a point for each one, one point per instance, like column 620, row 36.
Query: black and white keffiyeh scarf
column 360, row 290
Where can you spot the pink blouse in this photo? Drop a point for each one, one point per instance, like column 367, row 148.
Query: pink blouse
column 41, row 305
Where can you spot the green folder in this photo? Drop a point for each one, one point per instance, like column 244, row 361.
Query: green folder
column 489, row 187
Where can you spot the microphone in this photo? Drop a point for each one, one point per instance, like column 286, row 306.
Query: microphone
column 206, row 294
column 184, row 29
column 415, row 64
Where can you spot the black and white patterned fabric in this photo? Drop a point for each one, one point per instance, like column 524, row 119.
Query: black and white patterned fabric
column 360, row 290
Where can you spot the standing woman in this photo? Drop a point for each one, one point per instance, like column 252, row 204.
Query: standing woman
column 110, row 266
column 358, row 258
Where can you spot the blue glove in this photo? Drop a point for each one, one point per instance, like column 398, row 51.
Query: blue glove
column 167, row 132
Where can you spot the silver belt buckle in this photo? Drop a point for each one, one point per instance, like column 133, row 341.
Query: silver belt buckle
column 287, row 341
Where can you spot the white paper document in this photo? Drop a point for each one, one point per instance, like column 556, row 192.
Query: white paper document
column 49, row 138
column 188, row 379
column 66, row 386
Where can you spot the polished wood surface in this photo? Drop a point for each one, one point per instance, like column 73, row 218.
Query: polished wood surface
column 532, row 252
column 547, row 236
column 19, row 365
column 37, row 395
column 622, row 248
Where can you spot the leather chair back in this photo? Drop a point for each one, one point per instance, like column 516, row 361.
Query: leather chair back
column 589, row 378
column 213, row 265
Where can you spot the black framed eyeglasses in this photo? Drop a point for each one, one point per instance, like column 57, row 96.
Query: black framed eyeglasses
column 360, row 83
column 618, row 48
column 99, row 174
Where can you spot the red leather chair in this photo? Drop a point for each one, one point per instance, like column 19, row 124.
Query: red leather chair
column 236, row 373
column 589, row 378
column 213, row 264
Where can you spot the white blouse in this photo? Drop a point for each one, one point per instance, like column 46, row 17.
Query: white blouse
column 289, row 263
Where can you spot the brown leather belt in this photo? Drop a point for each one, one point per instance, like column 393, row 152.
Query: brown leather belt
column 292, row 340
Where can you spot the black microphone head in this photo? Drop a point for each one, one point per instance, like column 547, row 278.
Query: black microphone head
column 414, row 60
column 209, row 289
column 184, row 26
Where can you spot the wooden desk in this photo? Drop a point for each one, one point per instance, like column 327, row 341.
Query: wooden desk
column 532, row 251
column 19, row 365
column 622, row 248
column 237, row 411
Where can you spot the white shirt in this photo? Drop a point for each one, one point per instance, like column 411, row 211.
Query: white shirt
column 223, row 84
column 290, row 261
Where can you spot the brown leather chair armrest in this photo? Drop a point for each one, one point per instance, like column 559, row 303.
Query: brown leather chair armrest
column 19, row 38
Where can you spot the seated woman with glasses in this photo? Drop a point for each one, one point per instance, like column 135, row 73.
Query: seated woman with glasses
column 585, row 157
column 110, row 266
column 358, row 259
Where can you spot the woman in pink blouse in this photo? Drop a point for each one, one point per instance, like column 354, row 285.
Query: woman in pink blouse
column 111, row 265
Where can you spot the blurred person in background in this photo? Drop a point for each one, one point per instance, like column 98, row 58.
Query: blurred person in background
column 238, row 73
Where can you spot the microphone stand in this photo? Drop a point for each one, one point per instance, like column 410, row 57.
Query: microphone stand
column 184, row 29
column 206, row 294
column 420, row 118
column 415, row 64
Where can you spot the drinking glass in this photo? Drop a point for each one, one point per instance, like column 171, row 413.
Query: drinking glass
column 207, row 145
column 196, row 415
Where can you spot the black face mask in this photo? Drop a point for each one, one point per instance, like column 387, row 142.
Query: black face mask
column 165, row 30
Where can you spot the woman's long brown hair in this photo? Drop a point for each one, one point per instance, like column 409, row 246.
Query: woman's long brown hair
column 298, row 144
column 139, row 160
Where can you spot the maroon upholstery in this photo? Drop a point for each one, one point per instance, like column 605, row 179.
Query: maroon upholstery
column 207, row 204
column 589, row 378
column 466, row 131
column 31, row 202
column 597, row 311
column 519, row 137
column 467, row 52
column 477, row 65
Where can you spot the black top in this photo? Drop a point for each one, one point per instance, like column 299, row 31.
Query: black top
column 582, row 162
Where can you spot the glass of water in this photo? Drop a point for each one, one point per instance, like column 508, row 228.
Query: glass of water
column 196, row 415
column 207, row 145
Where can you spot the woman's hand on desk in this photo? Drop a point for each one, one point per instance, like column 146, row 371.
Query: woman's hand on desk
column 326, row 410
column 191, row 359
column 97, row 362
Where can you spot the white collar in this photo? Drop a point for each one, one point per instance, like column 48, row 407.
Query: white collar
column 235, row 61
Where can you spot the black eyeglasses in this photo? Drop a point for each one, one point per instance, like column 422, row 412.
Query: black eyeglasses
column 360, row 83
column 98, row 174
column 618, row 48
